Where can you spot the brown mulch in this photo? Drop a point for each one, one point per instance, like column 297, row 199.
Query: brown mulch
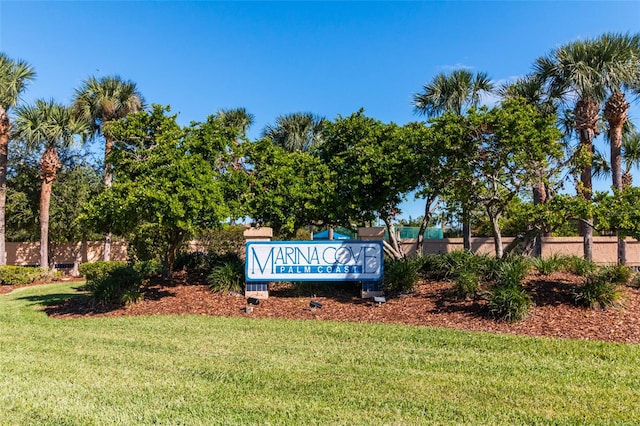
column 430, row 304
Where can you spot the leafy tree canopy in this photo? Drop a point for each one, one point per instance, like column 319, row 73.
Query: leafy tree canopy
column 165, row 176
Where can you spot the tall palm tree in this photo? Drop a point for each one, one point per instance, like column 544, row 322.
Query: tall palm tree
column 99, row 101
column 577, row 72
column 587, row 72
column 299, row 131
column 51, row 126
column 623, row 52
column 14, row 77
column 454, row 92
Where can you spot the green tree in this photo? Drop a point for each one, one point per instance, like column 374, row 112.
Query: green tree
column 533, row 91
column 99, row 101
column 299, row 131
column 165, row 180
column 513, row 142
column 375, row 167
column 288, row 190
column 14, row 77
column 47, row 126
column 454, row 92
column 231, row 165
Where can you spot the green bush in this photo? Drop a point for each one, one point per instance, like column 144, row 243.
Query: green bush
column 635, row 281
column 598, row 291
column 549, row 265
column 400, row 276
column 466, row 284
column 617, row 274
column 96, row 271
column 219, row 242
column 512, row 271
column 148, row 268
column 510, row 303
column 21, row 275
column 227, row 275
column 195, row 261
column 119, row 284
column 579, row 266
column 450, row 265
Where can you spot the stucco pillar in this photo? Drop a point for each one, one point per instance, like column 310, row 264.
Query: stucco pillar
column 258, row 290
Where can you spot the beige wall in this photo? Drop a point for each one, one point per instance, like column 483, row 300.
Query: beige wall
column 23, row 254
column 604, row 248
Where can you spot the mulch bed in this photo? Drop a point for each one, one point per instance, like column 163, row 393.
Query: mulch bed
column 430, row 304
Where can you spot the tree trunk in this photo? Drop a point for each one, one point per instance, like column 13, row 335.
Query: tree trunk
column 45, row 200
column 423, row 225
column 615, row 111
column 5, row 130
column 393, row 240
column 175, row 241
column 466, row 230
column 586, row 121
column 497, row 235
column 108, row 181
column 539, row 197
column 49, row 164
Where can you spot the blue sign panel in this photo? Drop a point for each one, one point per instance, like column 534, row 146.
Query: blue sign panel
column 314, row 261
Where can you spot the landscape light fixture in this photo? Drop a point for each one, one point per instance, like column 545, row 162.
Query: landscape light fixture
column 379, row 300
column 253, row 301
column 315, row 305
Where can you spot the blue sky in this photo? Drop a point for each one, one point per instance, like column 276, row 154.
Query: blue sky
column 275, row 58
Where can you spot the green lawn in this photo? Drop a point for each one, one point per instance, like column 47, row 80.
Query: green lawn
column 198, row 370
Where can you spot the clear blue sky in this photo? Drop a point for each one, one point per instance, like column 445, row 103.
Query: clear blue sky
column 275, row 58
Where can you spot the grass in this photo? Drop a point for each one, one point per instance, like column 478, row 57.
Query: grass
column 199, row 370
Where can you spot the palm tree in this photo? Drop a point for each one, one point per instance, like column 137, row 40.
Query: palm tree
column 300, row 131
column 51, row 126
column 576, row 71
column 236, row 118
column 14, row 77
column 630, row 156
column 100, row 101
column 622, row 50
column 454, row 92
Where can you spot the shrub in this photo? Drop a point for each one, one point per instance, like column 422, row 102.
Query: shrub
column 194, row 261
column 227, row 276
column 512, row 271
column 119, row 284
column 466, row 284
column 450, row 265
column 617, row 274
column 400, row 276
column 510, row 303
column 635, row 281
column 96, row 271
column 20, row 275
column 549, row 265
column 148, row 268
column 579, row 266
column 229, row 239
column 597, row 292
